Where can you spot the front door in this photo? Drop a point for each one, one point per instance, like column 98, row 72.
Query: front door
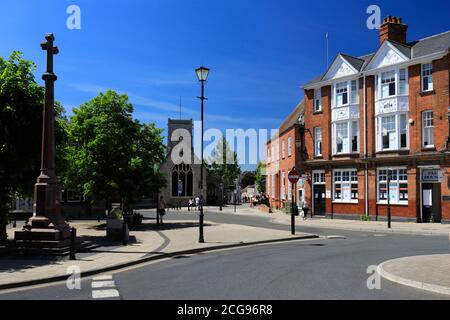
column 319, row 200
column 431, row 202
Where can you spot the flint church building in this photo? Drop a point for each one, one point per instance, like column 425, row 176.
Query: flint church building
column 181, row 172
column 377, row 131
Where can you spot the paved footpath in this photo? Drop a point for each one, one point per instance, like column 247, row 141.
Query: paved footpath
column 342, row 224
column 430, row 273
column 148, row 243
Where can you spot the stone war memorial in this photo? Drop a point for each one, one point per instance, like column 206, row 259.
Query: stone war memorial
column 47, row 227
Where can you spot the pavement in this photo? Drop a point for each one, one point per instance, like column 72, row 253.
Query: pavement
column 147, row 243
column 340, row 224
column 428, row 272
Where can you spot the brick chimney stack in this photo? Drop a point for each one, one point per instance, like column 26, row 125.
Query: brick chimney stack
column 393, row 29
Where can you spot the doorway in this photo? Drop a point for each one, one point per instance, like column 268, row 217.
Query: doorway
column 319, row 200
column 431, row 202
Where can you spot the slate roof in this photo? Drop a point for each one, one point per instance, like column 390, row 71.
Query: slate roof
column 290, row 120
column 416, row 49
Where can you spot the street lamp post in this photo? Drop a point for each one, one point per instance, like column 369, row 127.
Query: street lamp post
column 202, row 74
column 221, row 196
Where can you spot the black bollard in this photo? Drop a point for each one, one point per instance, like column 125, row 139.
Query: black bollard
column 124, row 233
column 73, row 237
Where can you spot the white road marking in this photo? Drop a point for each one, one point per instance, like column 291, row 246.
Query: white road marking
column 108, row 286
column 102, row 278
column 336, row 237
column 379, row 235
column 105, row 294
column 103, row 284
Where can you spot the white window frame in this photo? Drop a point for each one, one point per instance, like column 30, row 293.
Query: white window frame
column 273, row 186
column 343, row 85
column 428, row 128
column 398, row 182
column 401, row 85
column 388, row 82
column 426, row 72
column 379, row 131
column 318, row 177
column 289, row 198
column 318, row 152
column 283, row 150
column 350, row 135
column 352, row 175
column 283, row 185
column 317, row 100
column 354, row 91
column 289, row 146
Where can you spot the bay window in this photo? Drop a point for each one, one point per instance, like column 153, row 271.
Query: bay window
column 398, row 185
column 427, row 77
column 317, row 100
column 427, row 129
column 354, row 92
column 392, row 132
column 341, row 94
column 388, row 84
column 345, row 185
column 317, row 142
column 345, row 137
column 403, row 85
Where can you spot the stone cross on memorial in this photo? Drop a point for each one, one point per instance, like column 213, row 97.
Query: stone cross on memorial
column 47, row 223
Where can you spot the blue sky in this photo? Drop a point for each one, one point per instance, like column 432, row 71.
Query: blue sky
column 260, row 51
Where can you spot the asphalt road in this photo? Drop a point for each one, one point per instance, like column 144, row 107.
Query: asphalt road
column 311, row 269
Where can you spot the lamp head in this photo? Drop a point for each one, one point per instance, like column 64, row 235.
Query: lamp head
column 202, row 73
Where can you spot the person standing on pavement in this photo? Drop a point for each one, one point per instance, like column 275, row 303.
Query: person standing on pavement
column 162, row 208
column 305, row 209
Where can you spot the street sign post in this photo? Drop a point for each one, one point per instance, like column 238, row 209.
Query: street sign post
column 293, row 177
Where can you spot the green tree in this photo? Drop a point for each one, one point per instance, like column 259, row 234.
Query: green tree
column 261, row 177
column 224, row 165
column 112, row 157
column 21, row 105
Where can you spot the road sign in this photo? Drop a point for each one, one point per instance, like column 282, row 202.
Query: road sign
column 294, row 176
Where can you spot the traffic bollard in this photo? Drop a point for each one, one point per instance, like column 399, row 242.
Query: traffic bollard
column 73, row 237
column 124, row 233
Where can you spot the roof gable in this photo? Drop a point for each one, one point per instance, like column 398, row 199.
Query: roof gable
column 340, row 68
column 388, row 54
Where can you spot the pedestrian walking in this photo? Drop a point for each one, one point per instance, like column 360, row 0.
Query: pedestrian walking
column 197, row 202
column 305, row 209
column 162, row 208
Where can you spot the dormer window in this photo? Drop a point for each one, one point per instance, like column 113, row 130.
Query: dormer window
column 317, row 100
column 388, row 84
column 341, row 94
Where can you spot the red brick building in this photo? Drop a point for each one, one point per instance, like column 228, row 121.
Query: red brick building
column 378, row 118
column 283, row 153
